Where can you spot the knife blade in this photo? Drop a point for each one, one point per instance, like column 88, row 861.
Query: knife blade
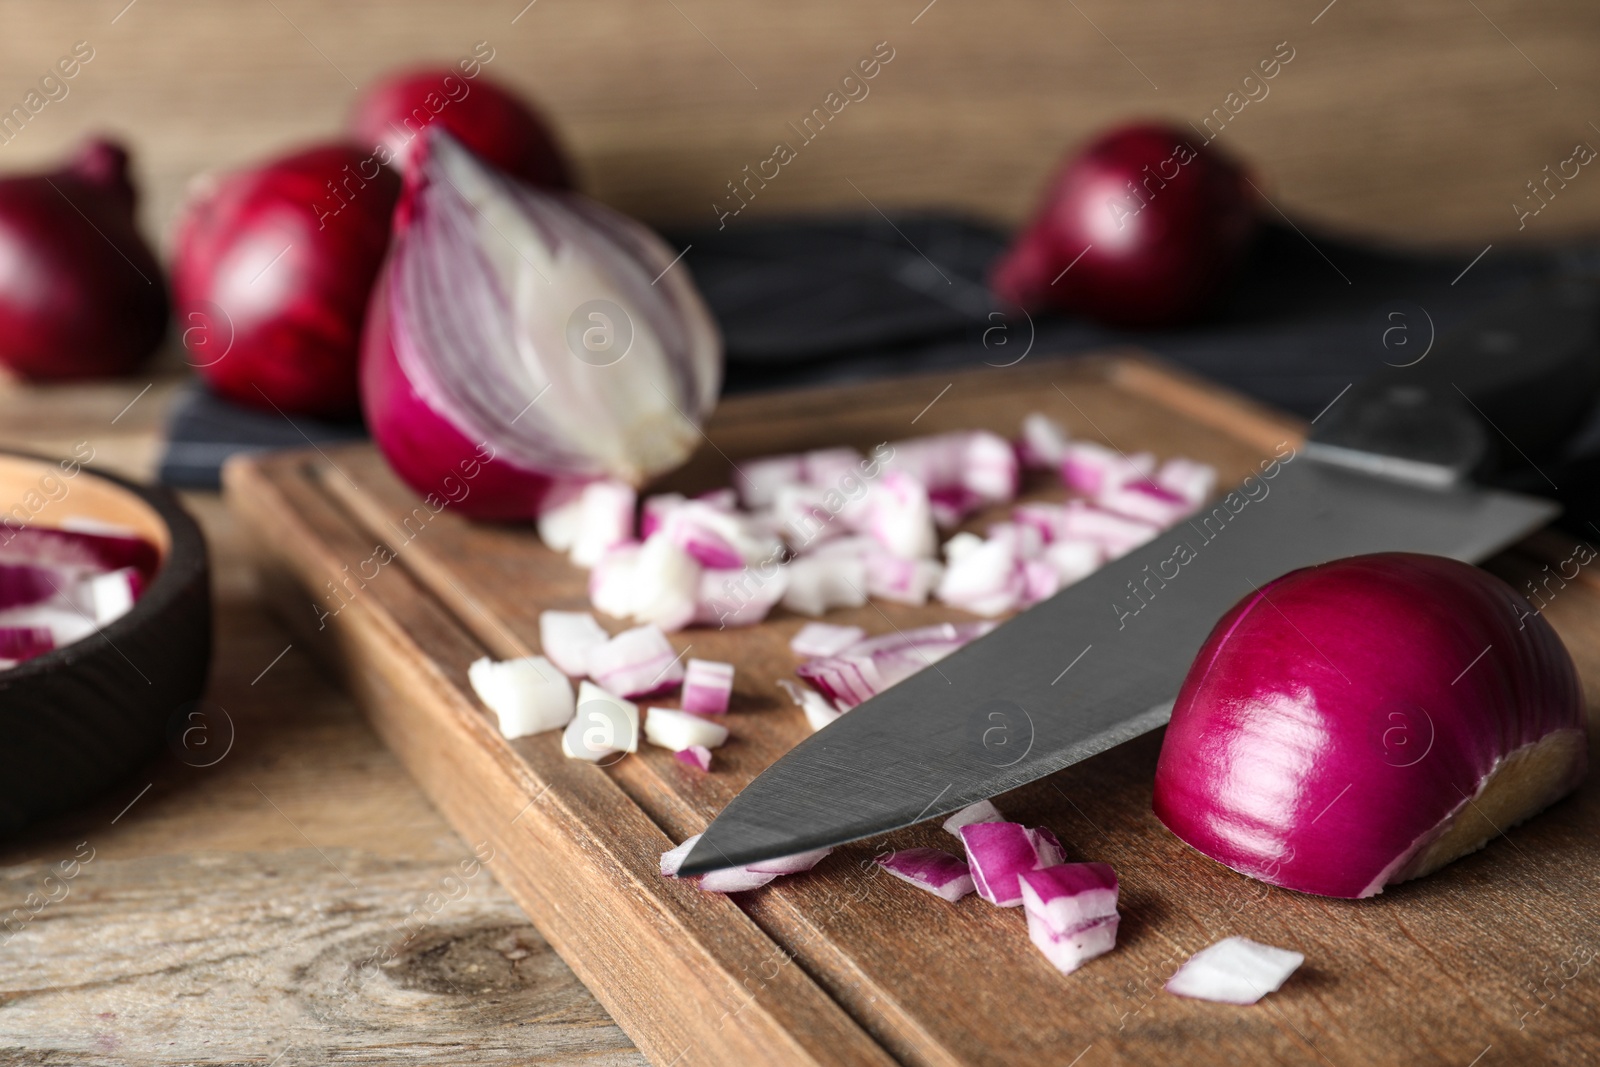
column 1099, row 663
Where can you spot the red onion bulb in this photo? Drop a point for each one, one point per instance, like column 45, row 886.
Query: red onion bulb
column 520, row 338
column 497, row 125
column 81, row 294
column 1140, row 228
column 272, row 269
column 1367, row 721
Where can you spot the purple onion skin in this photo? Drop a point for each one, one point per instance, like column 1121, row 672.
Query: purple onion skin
column 425, row 449
column 1318, row 734
column 1163, row 262
column 81, row 295
column 289, row 332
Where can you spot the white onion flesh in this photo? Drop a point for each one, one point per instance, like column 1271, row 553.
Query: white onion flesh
column 528, row 695
column 568, row 637
column 1235, row 970
column 678, row 730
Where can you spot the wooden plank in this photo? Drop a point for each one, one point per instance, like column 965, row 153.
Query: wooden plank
column 1421, row 121
column 1388, row 979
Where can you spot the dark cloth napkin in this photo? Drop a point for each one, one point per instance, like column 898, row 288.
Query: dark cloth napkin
column 835, row 299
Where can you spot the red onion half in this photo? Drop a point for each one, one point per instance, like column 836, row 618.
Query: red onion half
column 1367, row 721
column 1140, row 228
column 497, row 125
column 494, row 293
column 271, row 272
column 81, row 294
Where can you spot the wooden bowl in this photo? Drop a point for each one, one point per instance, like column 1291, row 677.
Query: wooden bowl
column 77, row 719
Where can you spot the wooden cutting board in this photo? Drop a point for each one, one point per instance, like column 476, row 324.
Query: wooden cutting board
column 1491, row 961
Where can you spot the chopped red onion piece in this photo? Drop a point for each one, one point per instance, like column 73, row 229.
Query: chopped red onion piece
column 666, row 584
column 1144, row 500
column 1040, row 581
column 1071, row 950
column 819, row 710
column 817, row 584
column 527, row 695
column 1046, row 518
column 567, row 638
column 1235, row 970
column 65, row 621
column 724, row 499
column 18, row 643
column 800, row 861
column 611, row 584
column 1070, row 896
column 49, row 546
column 655, row 510
column 985, row 581
column 971, row 815
column 938, row 872
column 739, row 597
column 999, row 853
column 561, row 515
column 696, row 756
column 873, row 665
column 734, row 880
column 1093, row 469
column 707, row 686
column 1043, row 442
column 960, row 545
column 858, row 546
column 672, row 859
column 1026, row 540
column 900, row 516
column 1074, row 558
column 636, row 662
column 605, row 521
column 704, row 542
column 1048, row 845
column 989, row 467
column 722, row 539
column 22, row 584
column 604, row 725
column 758, row 479
column 1191, row 480
column 825, row 639
column 679, row 730
column 1117, row 534
column 949, row 506
column 107, row 597
column 904, row 581
column 829, row 467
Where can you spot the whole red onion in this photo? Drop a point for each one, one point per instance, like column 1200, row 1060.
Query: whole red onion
column 497, row 125
column 1152, row 225
column 81, row 293
column 272, row 269
column 1367, row 721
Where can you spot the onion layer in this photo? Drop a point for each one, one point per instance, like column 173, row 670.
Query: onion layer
column 1366, row 721
column 495, row 292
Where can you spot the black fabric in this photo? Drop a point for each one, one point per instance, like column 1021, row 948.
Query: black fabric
column 816, row 300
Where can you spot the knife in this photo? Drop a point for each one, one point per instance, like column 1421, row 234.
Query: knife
column 1404, row 461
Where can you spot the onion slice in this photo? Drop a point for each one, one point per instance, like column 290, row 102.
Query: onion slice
column 1235, row 970
column 943, row 875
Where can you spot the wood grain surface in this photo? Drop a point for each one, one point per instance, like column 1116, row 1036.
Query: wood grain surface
column 213, row 922
column 1424, row 120
column 1492, row 958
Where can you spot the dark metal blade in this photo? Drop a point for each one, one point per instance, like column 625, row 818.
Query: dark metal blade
column 1095, row 665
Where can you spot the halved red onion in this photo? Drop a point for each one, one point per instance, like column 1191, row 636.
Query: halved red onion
column 696, row 756
column 1000, row 852
column 875, row 664
column 527, row 695
column 635, row 663
column 1366, row 721
column 494, row 292
column 678, row 730
column 940, row 873
column 1235, row 970
column 971, row 815
column 707, row 687
column 824, row 639
column 568, row 637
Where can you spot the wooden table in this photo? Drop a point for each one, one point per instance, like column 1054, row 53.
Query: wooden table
column 236, row 912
